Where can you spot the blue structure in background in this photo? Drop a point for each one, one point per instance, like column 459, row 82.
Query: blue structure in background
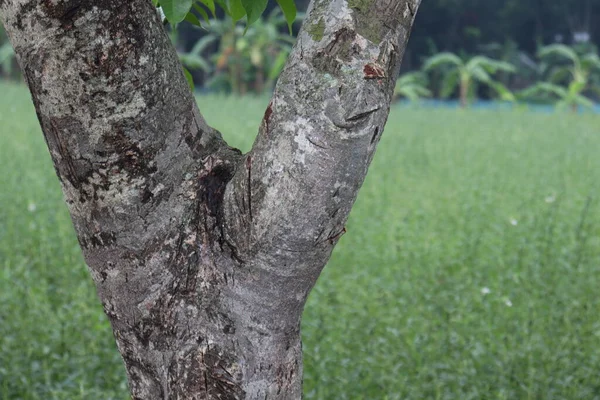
column 493, row 105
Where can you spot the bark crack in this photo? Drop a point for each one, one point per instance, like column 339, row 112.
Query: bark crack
column 249, row 167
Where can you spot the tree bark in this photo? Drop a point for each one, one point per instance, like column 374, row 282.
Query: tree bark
column 203, row 257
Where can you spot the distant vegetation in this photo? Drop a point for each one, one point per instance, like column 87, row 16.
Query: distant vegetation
column 235, row 58
column 466, row 75
column 568, row 76
column 7, row 56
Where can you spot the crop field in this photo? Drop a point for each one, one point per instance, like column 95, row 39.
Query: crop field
column 470, row 268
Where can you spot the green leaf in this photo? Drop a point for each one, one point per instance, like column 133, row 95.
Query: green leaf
column 289, row 11
column 193, row 61
column 481, row 75
column 223, row 4
column 575, row 88
column 504, row 93
column 176, row 10
column 189, row 78
column 277, row 65
column 192, row 19
column 203, row 43
column 412, row 85
column 584, row 101
column 490, row 66
column 254, row 9
column 559, row 50
column 202, row 13
column 442, row 59
column 591, row 61
column 210, row 4
column 449, row 83
column 544, row 88
column 236, row 10
column 559, row 74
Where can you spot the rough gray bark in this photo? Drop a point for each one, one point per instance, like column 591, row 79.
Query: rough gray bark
column 203, row 257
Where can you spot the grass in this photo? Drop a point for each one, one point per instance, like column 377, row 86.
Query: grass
column 470, row 269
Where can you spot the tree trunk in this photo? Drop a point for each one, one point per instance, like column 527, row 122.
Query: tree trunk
column 574, row 107
column 259, row 85
column 464, row 93
column 203, row 257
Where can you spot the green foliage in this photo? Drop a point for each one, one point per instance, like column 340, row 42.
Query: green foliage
column 176, row 11
column 467, row 25
column 567, row 97
column 413, row 86
column 525, row 66
column 249, row 58
column 288, row 8
column 569, row 75
column 469, row 270
column 442, row 59
column 195, row 59
column 466, row 74
column 7, row 58
column 7, row 55
column 189, row 78
column 254, row 9
column 236, row 10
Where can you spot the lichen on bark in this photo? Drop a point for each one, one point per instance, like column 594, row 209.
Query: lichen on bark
column 317, row 30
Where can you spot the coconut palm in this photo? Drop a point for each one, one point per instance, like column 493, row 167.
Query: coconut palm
column 413, row 86
column 569, row 76
column 467, row 74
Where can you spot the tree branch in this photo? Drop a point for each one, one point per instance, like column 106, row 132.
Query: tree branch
column 288, row 203
column 123, row 128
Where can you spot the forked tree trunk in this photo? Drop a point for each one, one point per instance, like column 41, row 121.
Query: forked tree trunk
column 203, row 257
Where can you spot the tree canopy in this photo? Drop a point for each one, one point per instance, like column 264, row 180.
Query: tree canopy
column 176, row 11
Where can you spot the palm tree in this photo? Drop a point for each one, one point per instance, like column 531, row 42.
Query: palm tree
column 412, row 85
column 467, row 74
column 574, row 71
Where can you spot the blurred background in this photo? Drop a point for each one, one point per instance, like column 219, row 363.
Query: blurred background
column 535, row 51
column 471, row 265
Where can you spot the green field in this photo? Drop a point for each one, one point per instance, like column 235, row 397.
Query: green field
column 468, row 270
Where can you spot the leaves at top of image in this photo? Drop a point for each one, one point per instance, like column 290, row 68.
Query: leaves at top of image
column 176, row 11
